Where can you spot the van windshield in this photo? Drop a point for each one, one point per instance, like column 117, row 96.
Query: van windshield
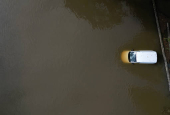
column 132, row 57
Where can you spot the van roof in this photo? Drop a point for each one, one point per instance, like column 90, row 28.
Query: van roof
column 146, row 56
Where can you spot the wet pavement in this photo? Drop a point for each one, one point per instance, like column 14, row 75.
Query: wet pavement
column 63, row 57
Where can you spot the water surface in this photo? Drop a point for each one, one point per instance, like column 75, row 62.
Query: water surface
column 63, row 57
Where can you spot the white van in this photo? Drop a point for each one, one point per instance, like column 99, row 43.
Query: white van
column 144, row 57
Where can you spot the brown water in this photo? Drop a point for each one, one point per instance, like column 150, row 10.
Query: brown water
column 62, row 57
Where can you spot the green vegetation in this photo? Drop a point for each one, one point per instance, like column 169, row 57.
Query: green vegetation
column 168, row 39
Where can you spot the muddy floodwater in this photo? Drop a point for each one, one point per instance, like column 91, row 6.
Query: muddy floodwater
column 62, row 57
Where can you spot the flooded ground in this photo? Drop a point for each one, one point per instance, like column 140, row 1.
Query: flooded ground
column 61, row 57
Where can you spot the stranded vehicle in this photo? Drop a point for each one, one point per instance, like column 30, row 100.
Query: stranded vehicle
column 143, row 57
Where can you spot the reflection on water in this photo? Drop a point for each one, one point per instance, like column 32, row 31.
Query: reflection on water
column 99, row 13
